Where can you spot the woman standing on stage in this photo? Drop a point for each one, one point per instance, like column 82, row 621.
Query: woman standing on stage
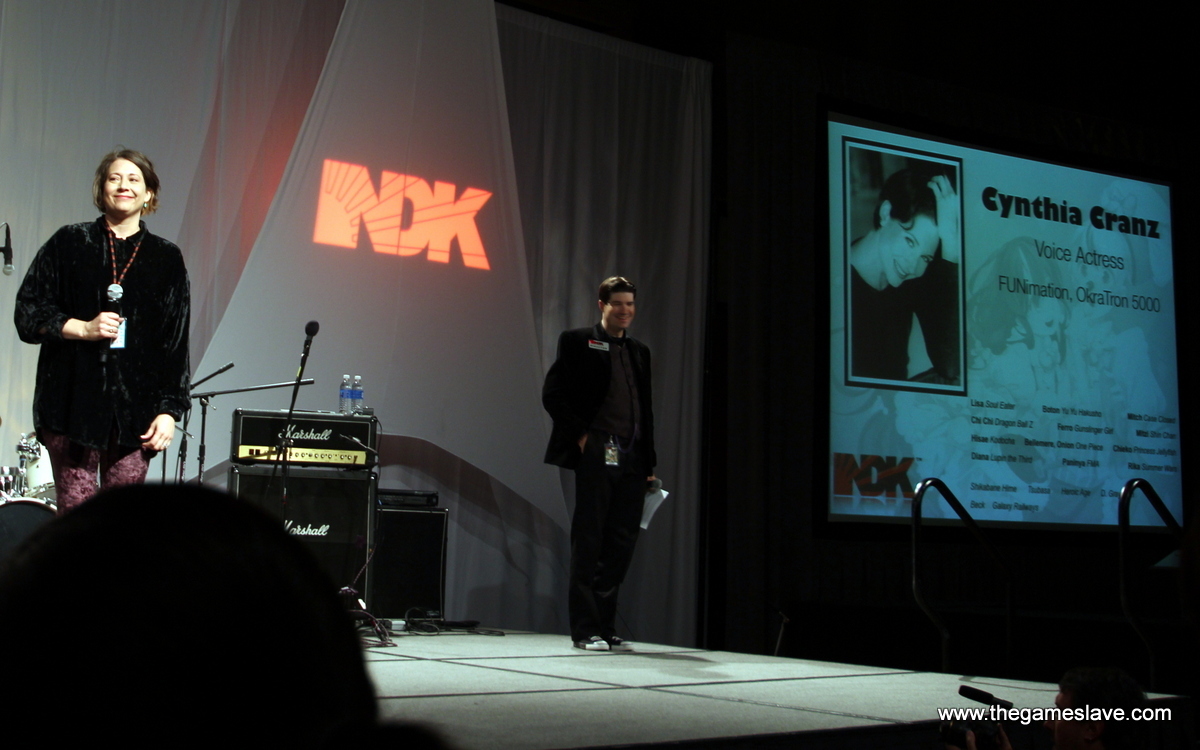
column 109, row 303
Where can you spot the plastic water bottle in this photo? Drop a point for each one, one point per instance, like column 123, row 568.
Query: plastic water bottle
column 344, row 395
column 356, row 395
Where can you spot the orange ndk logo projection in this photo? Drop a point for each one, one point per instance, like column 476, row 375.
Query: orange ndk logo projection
column 348, row 200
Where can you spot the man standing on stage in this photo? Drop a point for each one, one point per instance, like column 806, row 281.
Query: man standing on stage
column 598, row 393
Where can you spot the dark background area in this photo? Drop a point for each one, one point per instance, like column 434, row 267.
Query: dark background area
column 1078, row 85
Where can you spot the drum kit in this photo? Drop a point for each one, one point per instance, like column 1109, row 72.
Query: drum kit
column 27, row 495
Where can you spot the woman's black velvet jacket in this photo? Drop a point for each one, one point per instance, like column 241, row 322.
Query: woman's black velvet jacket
column 77, row 395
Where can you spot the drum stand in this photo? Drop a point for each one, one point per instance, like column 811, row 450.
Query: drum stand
column 20, row 484
column 28, row 451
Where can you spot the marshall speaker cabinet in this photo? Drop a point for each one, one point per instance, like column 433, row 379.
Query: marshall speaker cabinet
column 408, row 572
column 319, row 438
column 329, row 511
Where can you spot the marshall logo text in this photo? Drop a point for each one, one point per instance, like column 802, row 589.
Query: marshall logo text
column 295, row 433
column 306, row 530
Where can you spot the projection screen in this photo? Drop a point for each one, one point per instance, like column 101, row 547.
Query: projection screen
column 1005, row 324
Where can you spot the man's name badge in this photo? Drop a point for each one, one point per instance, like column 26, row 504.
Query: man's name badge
column 601, row 345
column 119, row 341
column 612, row 456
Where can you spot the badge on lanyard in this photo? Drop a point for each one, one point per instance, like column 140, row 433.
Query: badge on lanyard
column 612, row 457
column 119, row 341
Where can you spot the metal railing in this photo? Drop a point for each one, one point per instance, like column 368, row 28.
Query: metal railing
column 1156, row 502
column 948, row 496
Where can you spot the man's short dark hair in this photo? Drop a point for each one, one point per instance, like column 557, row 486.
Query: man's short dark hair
column 616, row 284
column 143, row 163
column 1106, row 687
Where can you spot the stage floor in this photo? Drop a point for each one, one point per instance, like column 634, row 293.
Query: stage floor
column 526, row 690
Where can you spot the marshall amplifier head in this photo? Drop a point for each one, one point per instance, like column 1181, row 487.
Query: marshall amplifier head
column 319, row 438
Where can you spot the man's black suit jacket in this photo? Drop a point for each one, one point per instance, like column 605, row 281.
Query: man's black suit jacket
column 575, row 388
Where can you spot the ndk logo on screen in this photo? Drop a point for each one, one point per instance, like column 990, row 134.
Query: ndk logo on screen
column 408, row 215
column 872, row 476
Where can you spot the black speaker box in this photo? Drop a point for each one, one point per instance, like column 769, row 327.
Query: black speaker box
column 406, row 498
column 408, row 572
column 328, row 510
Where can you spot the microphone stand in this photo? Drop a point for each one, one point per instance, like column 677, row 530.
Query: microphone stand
column 285, row 437
column 181, row 458
column 359, row 443
column 354, row 605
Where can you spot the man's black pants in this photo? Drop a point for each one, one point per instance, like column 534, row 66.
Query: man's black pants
column 604, row 530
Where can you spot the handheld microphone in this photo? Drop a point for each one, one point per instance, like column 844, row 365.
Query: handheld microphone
column 112, row 303
column 7, row 250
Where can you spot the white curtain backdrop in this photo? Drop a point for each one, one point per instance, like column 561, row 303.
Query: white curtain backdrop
column 242, row 105
column 611, row 142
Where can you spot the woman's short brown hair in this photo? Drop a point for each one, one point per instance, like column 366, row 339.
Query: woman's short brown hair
column 143, row 163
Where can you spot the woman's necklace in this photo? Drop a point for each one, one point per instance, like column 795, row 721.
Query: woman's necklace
column 115, row 290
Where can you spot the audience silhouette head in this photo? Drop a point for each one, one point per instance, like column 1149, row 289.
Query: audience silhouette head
column 172, row 614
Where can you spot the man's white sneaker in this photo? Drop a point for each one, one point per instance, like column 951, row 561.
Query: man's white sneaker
column 595, row 643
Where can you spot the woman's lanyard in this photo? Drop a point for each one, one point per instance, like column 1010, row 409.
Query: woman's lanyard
column 115, row 290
